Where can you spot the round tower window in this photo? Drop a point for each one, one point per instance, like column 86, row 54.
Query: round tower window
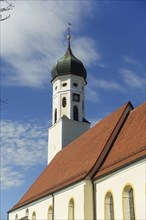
column 75, row 84
column 64, row 84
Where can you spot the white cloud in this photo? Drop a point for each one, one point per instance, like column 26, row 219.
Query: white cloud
column 11, row 178
column 34, row 38
column 107, row 85
column 84, row 47
column 130, row 60
column 95, row 85
column 102, row 65
column 132, row 79
column 92, row 94
column 23, row 145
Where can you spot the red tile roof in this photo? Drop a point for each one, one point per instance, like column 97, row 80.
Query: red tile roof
column 130, row 143
column 83, row 157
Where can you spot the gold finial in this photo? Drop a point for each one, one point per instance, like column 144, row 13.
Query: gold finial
column 69, row 36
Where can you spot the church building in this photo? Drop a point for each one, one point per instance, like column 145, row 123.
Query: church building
column 93, row 173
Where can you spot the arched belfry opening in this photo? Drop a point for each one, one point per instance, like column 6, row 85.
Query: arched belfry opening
column 55, row 115
column 75, row 113
column 64, row 101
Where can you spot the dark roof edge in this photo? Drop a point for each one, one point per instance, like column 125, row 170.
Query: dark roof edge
column 121, row 167
column 111, row 140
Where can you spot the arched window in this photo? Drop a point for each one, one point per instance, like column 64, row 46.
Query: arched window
column 64, row 102
column 83, row 105
column 75, row 113
column 128, row 203
column 50, row 213
column 71, row 210
column 27, row 213
column 16, row 217
column 33, row 216
column 55, row 115
column 109, row 207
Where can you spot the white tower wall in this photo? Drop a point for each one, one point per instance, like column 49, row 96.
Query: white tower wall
column 66, row 124
column 62, row 133
column 66, row 87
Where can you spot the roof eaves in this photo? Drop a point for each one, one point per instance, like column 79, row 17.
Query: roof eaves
column 52, row 190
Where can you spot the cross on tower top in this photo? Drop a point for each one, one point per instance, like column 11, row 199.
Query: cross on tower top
column 68, row 35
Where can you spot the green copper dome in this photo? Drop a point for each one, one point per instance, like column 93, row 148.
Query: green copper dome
column 69, row 64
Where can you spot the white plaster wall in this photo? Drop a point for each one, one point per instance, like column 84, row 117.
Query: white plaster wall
column 115, row 183
column 40, row 208
column 55, row 139
column 62, row 133
column 61, row 202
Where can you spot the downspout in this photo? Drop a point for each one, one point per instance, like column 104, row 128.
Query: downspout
column 53, row 206
column 94, row 200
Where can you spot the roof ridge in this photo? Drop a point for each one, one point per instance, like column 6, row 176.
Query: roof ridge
column 123, row 158
column 111, row 139
column 122, row 163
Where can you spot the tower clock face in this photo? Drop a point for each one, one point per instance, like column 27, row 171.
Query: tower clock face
column 76, row 97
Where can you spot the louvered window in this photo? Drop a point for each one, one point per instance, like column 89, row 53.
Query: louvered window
column 64, row 102
column 75, row 113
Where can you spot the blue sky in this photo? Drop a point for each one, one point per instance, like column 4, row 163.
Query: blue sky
column 107, row 36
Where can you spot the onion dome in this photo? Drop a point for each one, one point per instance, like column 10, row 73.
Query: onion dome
column 69, row 64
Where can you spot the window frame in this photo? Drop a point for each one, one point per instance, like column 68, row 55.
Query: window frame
column 69, row 209
column 109, row 208
column 16, row 217
column 33, row 216
column 51, row 213
column 27, row 213
column 126, row 199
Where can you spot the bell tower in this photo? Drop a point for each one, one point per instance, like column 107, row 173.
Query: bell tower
column 68, row 104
